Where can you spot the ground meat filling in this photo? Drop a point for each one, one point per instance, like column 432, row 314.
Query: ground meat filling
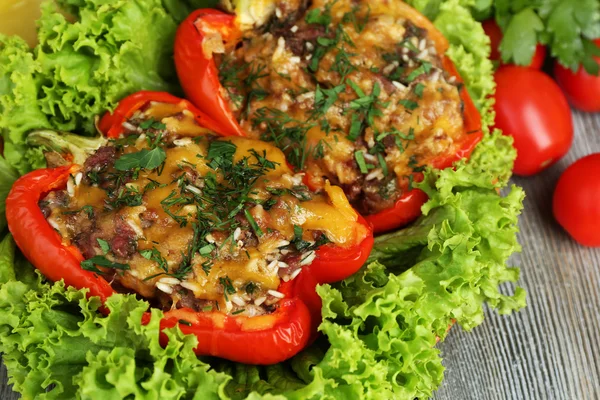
column 352, row 91
column 193, row 221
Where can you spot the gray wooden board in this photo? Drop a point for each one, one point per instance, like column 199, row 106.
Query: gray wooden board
column 550, row 349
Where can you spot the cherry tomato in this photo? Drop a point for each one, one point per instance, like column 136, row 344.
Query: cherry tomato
column 576, row 203
column 582, row 89
column 492, row 29
column 531, row 108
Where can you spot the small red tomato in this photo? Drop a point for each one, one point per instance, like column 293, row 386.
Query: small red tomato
column 531, row 108
column 494, row 32
column 582, row 89
column 576, row 203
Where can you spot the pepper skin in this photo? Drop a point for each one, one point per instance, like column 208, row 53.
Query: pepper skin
column 111, row 124
column 199, row 77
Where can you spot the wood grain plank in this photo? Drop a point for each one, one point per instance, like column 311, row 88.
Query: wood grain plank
column 550, row 350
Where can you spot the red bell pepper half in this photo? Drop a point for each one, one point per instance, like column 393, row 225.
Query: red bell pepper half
column 265, row 339
column 201, row 31
column 111, row 124
column 199, row 77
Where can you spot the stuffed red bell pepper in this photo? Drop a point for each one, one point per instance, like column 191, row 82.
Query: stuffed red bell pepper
column 359, row 93
column 219, row 233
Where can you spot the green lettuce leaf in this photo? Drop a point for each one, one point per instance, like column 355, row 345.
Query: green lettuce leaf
column 80, row 70
column 7, row 176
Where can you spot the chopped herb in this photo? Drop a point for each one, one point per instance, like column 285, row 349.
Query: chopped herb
column 89, row 210
column 206, row 250
column 407, row 43
column 414, row 164
column 153, row 185
column 104, row 246
column 287, row 133
column 220, row 153
column 238, row 311
column 325, row 98
column 251, row 287
column 315, row 16
column 359, row 25
column 360, row 160
column 125, row 196
column 367, row 106
column 424, row 68
column 227, row 286
column 152, row 124
column 155, row 255
column 253, row 223
column 382, row 163
column 355, row 127
column 206, row 267
column 184, row 322
column 146, row 159
column 90, row 264
column 409, row 104
column 419, row 87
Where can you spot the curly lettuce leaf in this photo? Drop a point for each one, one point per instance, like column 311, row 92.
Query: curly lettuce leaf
column 79, row 70
column 57, row 345
column 7, row 177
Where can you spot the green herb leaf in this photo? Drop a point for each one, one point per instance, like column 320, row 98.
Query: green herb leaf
column 102, row 261
column 146, row 159
column 419, row 87
column 360, row 160
column 409, row 104
column 103, row 245
column 253, row 224
column 221, row 151
column 521, row 37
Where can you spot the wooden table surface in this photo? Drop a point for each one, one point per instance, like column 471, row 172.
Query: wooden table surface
column 550, row 349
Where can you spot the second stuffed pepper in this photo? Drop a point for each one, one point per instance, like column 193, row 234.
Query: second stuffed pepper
column 358, row 93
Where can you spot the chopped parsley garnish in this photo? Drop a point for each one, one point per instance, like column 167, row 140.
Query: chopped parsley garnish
column 102, row 261
column 152, row 124
column 125, row 196
column 424, row 68
column 251, row 287
column 253, row 223
column 155, row 255
column 145, row 159
column 218, row 151
column 228, row 287
column 359, row 24
column 382, row 164
column 325, row 98
column 285, row 132
column 104, row 246
column 366, row 108
column 302, row 245
column 419, row 87
column 89, row 210
column 315, row 16
column 409, row 104
column 360, row 160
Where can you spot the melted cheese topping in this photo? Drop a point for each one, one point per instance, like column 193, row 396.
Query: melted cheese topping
column 381, row 50
column 240, row 256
